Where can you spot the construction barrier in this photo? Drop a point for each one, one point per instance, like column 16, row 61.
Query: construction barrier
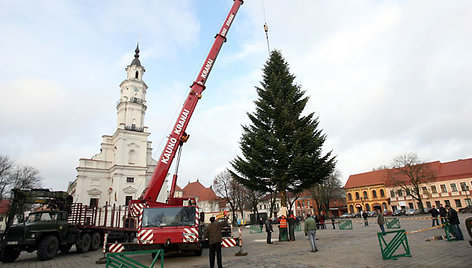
column 392, row 223
column 389, row 249
column 345, row 224
column 255, row 229
column 122, row 259
column 449, row 231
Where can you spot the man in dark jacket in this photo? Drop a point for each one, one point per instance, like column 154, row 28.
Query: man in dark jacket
column 365, row 215
column 434, row 213
column 442, row 214
column 213, row 231
column 291, row 227
column 454, row 222
column 269, row 230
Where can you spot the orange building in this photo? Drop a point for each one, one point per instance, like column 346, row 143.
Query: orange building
column 366, row 191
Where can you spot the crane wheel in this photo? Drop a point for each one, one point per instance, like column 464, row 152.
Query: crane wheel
column 96, row 241
column 9, row 254
column 48, row 247
column 84, row 243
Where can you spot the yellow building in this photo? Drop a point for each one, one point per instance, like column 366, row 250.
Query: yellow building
column 366, row 191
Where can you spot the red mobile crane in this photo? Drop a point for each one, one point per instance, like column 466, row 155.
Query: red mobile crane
column 175, row 224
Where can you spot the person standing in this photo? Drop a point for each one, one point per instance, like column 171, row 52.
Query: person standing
column 434, row 213
column 283, row 228
column 261, row 223
column 291, row 227
column 310, row 231
column 269, row 230
column 365, row 215
column 213, row 231
column 454, row 222
column 442, row 214
column 381, row 221
column 332, row 221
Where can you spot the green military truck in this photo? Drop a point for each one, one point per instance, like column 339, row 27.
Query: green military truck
column 58, row 224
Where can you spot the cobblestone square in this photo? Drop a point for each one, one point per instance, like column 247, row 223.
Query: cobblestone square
column 358, row 247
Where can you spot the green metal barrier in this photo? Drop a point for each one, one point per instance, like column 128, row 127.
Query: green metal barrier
column 122, row 260
column 388, row 249
column 392, row 223
column 255, row 229
column 345, row 224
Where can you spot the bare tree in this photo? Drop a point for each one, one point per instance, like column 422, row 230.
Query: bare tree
column 6, row 167
column 292, row 197
column 408, row 173
column 20, row 177
column 253, row 199
column 326, row 192
column 225, row 186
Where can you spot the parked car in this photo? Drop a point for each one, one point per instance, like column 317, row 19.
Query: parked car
column 467, row 209
column 410, row 212
column 371, row 213
column 358, row 214
column 387, row 213
column 347, row 216
column 398, row 212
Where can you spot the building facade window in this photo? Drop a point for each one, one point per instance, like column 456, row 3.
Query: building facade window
column 127, row 199
column 425, row 190
column 407, row 190
column 365, row 195
column 438, row 204
column 357, row 196
column 93, row 202
column 382, row 193
column 433, row 189
column 463, row 186
column 349, row 196
column 400, row 192
column 410, row 205
column 447, row 202
column 458, row 203
column 428, row 204
column 129, row 179
column 351, row 208
column 443, row 188
column 374, row 194
column 453, row 187
column 392, row 193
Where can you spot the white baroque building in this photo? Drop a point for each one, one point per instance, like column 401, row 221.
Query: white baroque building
column 124, row 166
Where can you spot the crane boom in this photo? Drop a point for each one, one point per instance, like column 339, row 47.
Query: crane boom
column 178, row 136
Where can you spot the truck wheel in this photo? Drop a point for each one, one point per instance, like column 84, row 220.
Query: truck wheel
column 65, row 248
column 84, row 243
column 48, row 247
column 95, row 243
column 9, row 254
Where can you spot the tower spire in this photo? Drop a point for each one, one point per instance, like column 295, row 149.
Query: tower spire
column 136, row 56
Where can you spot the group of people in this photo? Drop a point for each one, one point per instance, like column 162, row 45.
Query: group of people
column 447, row 215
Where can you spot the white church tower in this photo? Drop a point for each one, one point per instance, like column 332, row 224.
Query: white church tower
column 124, row 166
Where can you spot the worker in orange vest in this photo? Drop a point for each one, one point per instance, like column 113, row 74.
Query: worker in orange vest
column 283, row 228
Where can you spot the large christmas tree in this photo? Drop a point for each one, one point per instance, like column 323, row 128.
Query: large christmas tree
column 282, row 149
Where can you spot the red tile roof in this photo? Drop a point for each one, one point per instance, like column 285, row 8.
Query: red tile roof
column 193, row 189
column 177, row 188
column 207, row 194
column 444, row 171
column 375, row 177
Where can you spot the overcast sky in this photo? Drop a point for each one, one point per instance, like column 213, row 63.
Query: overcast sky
column 384, row 77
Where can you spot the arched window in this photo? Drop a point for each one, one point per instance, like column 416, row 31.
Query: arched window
column 351, row 208
column 357, row 196
column 374, row 194
column 382, row 194
column 132, row 157
column 367, row 207
column 136, row 75
column 349, row 196
column 365, row 195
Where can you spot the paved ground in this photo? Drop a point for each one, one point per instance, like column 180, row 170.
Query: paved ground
column 337, row 248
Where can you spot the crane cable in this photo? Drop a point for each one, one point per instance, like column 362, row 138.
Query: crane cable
column 266, row 28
